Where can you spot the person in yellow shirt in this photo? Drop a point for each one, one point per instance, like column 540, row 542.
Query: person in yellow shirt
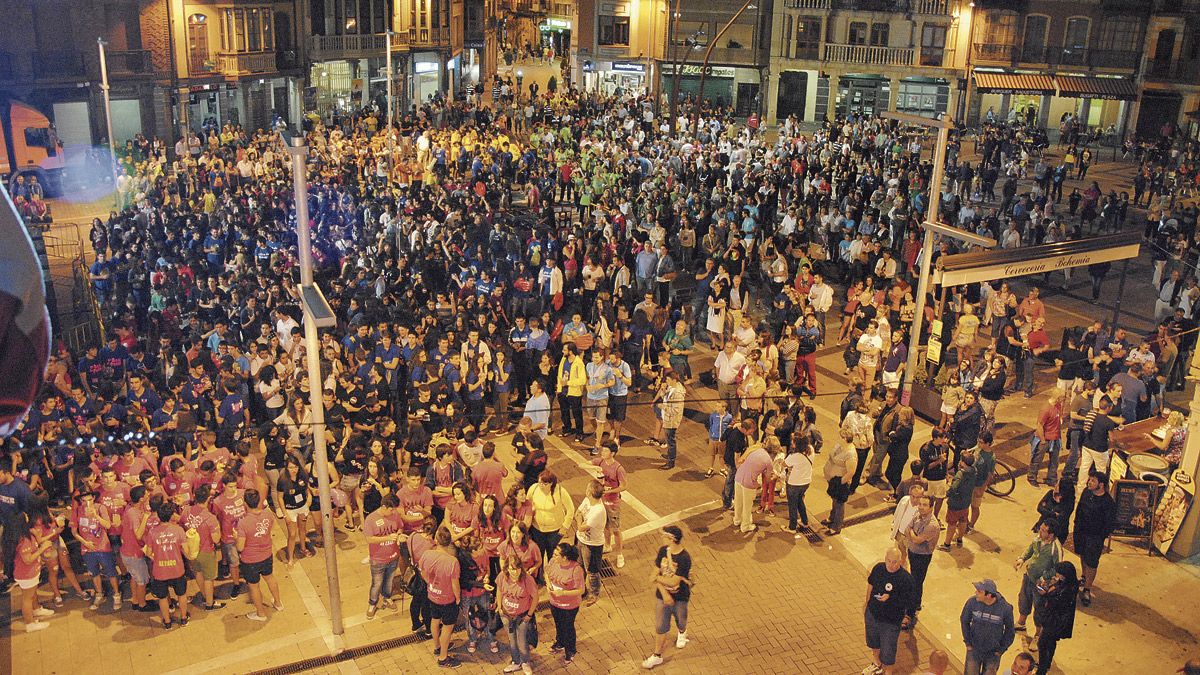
column 572, row 378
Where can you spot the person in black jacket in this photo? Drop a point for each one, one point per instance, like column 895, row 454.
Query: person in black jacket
column 964, row 428
column 1057, row 505
column 1055, row 613
column 1095, row 518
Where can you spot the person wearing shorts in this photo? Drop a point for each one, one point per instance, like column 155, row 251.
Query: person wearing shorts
column 595, row 401
column 165, row 543
column 199, row 517
column 618, row 393
column 1095, row 518
column 612, row 474
column 256, row 553
column 89, row 523
column 958, row 501
column 891, row 596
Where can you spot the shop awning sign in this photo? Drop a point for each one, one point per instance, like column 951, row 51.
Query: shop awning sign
column 626, row 67
column 969, row 268
column 693, row 70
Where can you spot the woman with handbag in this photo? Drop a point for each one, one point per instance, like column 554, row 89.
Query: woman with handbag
column 564, row 580
column 516, row 600
column 838, row 471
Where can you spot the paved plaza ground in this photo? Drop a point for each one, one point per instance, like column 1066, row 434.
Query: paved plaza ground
column 766, row 603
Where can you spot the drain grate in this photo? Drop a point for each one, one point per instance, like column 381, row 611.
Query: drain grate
column 812, row 536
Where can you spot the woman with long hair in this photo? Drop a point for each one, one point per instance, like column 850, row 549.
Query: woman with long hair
column 46, row 527
column 491, row 526
column 23, row 554
column 292, row 489
column 517, row 507
column 516, row 600
column 460, row 512
column 1055, row 614
column 564, row 580
column 520, row 547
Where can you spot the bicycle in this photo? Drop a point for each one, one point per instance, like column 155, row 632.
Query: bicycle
column 1004, row 480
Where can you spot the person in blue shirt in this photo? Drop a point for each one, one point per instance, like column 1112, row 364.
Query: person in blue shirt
column 645, row 264
column 718, row 424
column 101, row 276
column 595, row 406
column 90, row 367
column 214, row 250
column 452, row 377
column 618, row 393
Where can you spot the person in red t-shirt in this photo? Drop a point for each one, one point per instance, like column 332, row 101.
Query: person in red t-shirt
column 134, row 523
column 460, row 512
column 383, row 529
column 179, row 483
column 229, row 507
column 26, row 561
column 520, row 547
column 516, row 600
column 418, row 607
column 489, row 474
column 491, row 526
column 440, row 569
column 199, row 517
column 90, row 523
column 564, row 580
column 416, row 502
column 255, row 551
column 612, row 474
column 164, row 546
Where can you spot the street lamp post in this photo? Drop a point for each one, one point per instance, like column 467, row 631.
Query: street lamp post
column 391, row 148
column 112, row 144
column 317, row 314
column 749, row 4
column 965, row 101
column 932, row 226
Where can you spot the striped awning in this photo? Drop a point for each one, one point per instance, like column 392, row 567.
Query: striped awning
column 1111, row 88
column 1013, row 83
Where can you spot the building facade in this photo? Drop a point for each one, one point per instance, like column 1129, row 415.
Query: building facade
column 735, row 36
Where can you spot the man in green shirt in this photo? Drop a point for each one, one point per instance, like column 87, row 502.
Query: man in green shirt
column 678, row 345
column 985, row 468
column 958, row 501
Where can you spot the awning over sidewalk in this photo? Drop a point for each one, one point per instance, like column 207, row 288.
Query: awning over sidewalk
column 1110, row 88
column 969, row 268
column 1013, row 83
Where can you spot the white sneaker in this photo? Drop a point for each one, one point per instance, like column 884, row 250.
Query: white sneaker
column 620, row 561
column 42, row 612
column 512, row 668
column 651, row 661
column 96, row 602
column 681, row 640
column 117, row 603
column 35, row 626
column 608, row 548
column 526, row 669
column 255, row 616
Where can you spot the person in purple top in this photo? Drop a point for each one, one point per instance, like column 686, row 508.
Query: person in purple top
column 755, row 467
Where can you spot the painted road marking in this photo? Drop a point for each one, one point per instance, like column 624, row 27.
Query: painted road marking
column 590, row 469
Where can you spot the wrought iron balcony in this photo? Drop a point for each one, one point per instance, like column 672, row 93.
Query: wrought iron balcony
column 995, row 53
column 246, row 63
column 337, row 47
column 129, row 62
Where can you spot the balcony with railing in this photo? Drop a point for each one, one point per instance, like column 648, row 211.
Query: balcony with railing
column 337, row 47
column 248, row 63
column 938, row 7
column 870, row 56
column 1102, row 59
column 426, row 37
column 125, row 63
column 734, row 56
column 529, row 8
column 807, row 4
column 995, row 53
column 58, row 64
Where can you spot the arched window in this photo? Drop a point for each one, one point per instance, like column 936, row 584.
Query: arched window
column 197, row 37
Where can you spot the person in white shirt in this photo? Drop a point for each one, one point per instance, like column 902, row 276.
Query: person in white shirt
column 820, row 297
column 869, row 347
column 727, row 370
column 590, row 520
column 902, row 517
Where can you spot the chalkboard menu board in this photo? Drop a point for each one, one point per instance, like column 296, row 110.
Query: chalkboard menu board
column 1135, row 500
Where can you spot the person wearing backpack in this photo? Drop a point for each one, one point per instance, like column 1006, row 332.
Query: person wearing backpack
column 1039, row 561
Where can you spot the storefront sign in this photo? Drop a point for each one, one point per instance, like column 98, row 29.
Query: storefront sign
column 711, row 71
column 425, row 67
column 1039, row 266
column 556, row 24
column 473, row 44
column 624, row 67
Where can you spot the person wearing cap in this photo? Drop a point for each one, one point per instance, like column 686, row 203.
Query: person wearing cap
column 1095, row 518
column 891, row 596
column 987, row 628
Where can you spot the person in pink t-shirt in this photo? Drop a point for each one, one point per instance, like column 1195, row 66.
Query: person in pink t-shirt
column 199, row 517
column 254, row 549
column 520, row 547
column 612, row 474
column 229, row 507
column 491, row 526
column 90, row 523
column 461, row 511
column 383, row 529
column 564, row 581
column 516, row 600
column 489, row 474
column 440, row 570
column 416, row 501
column 164, row 546
column 26, row 559
column 134, row 523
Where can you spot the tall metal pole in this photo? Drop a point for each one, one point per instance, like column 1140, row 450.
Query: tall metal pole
column 112, row 147
column 316, row 403
column 391, row 149
column 965, row 102
column 708, row 53
column 672, row 35
column 935, row 201
column 1120, row 293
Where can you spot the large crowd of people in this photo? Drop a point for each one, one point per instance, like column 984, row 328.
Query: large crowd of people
column 543, row 266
